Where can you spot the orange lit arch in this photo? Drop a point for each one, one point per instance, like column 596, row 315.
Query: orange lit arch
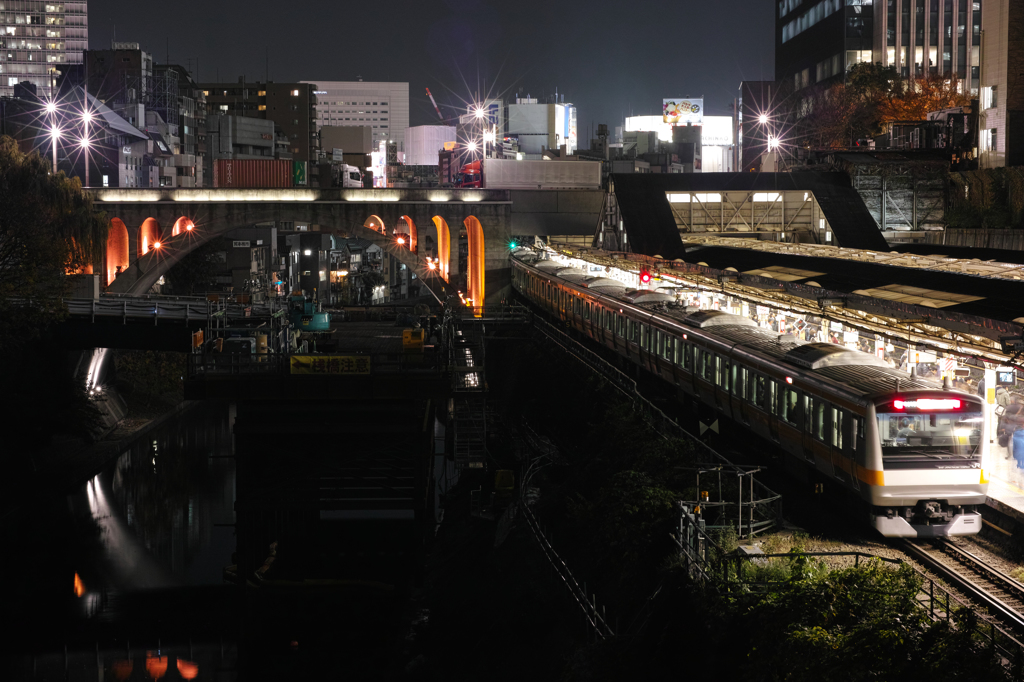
column 375, row 223
column 475, row 263
column 149, row 234
column 412, row 232
column 444, row 246
column 181, row 225
column 117, row 248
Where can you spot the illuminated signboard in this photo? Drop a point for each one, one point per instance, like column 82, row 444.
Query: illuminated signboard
column 682, row 110
column 927, row 404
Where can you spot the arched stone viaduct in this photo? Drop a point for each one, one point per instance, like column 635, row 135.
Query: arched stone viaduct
column 180, row 220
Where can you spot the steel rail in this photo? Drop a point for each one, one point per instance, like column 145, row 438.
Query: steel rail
column 1004, row 612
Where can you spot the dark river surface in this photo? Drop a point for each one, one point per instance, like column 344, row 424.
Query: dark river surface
column 135, row 553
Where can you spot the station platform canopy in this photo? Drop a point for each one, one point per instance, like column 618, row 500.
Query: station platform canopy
column 653, row 213
column 967, row 308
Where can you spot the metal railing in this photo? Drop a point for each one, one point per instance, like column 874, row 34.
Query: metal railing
column 708, row 563
column 228, row 364
column 764, row 503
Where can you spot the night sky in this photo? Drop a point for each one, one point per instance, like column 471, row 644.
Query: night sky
column 609, row 58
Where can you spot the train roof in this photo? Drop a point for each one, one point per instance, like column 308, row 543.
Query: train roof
column 862, row 374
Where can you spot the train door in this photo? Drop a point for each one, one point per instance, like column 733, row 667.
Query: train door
column 838, row 427
column 722, row 384
column 817, row 435
column 737, row 391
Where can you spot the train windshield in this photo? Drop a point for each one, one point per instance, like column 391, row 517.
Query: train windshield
column 930, row 439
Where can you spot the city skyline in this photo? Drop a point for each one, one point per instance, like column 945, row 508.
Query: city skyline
column 581, row 50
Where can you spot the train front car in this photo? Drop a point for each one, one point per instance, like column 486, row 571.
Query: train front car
column 928, row 450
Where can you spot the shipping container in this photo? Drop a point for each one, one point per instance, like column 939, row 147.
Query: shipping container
column 253, row 173
column 512, row 174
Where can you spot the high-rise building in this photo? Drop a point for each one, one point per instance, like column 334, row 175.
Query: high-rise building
column 383, row 106
column 930, row 37
column 820, row 41
column 1001, row 125
column 292, row 106
column 39, row 38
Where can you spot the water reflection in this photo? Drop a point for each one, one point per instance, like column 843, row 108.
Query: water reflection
column 198, row 663
column 150, row 520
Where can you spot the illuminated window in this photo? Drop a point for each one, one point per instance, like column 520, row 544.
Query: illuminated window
column 263, row 93
column 766, row 196
column 679, row 198
column 263, row 107
column 295, row 93
column 708, row 198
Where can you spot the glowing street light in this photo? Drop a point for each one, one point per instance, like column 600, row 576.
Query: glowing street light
column 762, row 119
column 51, row 108
column 401, row 240
column 157, row 245
column 773, row 142
column 471, row 145
column 479, row 112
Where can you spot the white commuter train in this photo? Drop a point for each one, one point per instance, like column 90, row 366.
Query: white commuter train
column 910, row 452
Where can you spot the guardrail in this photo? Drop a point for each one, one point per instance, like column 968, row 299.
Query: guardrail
column 337, row 364
column 185, row 309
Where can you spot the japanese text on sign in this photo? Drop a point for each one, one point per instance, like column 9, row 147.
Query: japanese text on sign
column 330, row 364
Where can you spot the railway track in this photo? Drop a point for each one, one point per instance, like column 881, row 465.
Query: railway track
column 983, row 584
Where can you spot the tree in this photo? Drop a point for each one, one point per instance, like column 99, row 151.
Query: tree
column 371, row 280
column 47, row 230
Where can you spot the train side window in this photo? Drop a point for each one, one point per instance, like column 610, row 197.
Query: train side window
column 656, row 341
column 586, row 311
column 670, row 348
column 609, row 322
column 818, row 423
column 721, row 371
column 709, row 367
column 793, row 407
column 645, row 337
column 761, row 392
column 737, row 379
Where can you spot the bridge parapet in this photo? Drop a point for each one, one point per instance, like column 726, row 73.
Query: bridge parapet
column 298, row 194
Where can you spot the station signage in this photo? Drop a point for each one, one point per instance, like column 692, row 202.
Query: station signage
column 330, row 364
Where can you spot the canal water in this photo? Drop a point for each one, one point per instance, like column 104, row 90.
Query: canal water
column 137, row 552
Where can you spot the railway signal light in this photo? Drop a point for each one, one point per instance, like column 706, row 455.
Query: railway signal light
column 645, row 276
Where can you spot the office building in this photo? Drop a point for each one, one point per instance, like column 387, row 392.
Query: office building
column 291, row 106
column 1001, row 126
column 41, row 38
column 819, row 41
column 539, row 127
column 422, row 144
column 382, row 106
column 754, row 123
column 930, row 37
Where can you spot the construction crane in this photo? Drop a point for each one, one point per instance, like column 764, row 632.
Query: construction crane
column 436, row 107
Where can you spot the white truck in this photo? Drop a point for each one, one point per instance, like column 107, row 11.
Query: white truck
column 349, row 176
column 511, row 174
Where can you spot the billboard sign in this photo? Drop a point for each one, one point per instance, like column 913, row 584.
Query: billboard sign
column 682, row 110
